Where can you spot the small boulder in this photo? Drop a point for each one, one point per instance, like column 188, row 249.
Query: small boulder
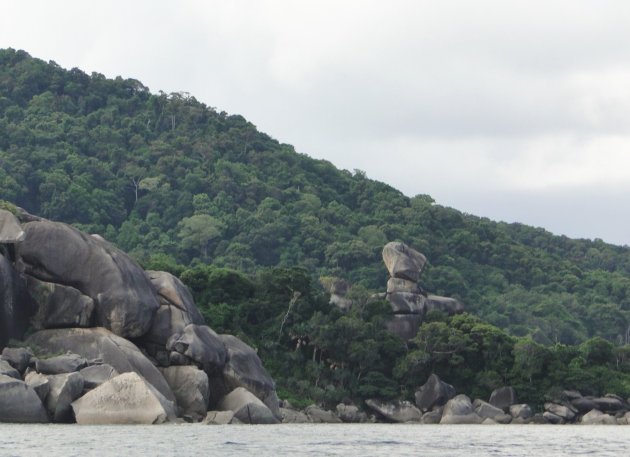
column 95, row 375
column 218, row 418
column 566, row 413
column 434, row 392
column 503, row 398
column 292, row 416
column 10, row 229
column 19, row 358
column 395, row 411
column 596, row 417
column 403, row 262
column 67, row 363
column 191, row 389
column 64, row 389
column 486, row 410
column 583, row 404
column 125, row 399
column 459, row 410
column 350, row 413
column 19, row 403
column 247, row 407
column 552, row 418
column 39, row 383
column 522, row 411
column 432, row 417
column 319, row 415
column 610, row 404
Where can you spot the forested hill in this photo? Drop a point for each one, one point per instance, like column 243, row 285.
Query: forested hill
column 176, row 182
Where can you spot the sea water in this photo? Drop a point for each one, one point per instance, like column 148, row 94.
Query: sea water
column 314, row 440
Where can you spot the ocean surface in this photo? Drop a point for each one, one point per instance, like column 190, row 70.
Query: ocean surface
column 314, row 440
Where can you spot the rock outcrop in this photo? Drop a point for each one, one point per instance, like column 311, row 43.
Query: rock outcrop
column 395, row 411
column 247, row 408
column 19, row 402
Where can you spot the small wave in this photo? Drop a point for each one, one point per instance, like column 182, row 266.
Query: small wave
column 234, row 443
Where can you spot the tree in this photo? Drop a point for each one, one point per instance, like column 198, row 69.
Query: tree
column 198, row 230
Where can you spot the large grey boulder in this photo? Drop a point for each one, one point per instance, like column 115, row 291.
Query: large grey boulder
column 100, row 343
column 447, row 305
column 596, row 417
column 245, row 369
column 126, row 399
column 503, row 398
column 319, row 415
column 20, row 403
column 610, row 404
column 402, row 285
column 15, row 304
column 522, row 411
column 403, row 262
column 177, row 310
column 583, row 404
column 552, row 418
column 405, row 326
column 395, row 411
column 10, row 229
column 338, row 290
column 67, row 363
column 95, row 375
column 247, row 407
column 459, row 410
column 202, row 345
column 407, row 303
column 432, row 417
column 434, row 392
column 125, row 300
column 191, row 389
column 64, row 389
column 7, row 370
column 59, row 306
column 219, row 418
column 350, row 413
column 18, row 358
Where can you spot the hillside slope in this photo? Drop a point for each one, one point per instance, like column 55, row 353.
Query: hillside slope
column 174, row 181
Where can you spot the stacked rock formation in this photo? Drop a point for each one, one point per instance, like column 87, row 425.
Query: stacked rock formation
column 133, row 340
column 408, row 301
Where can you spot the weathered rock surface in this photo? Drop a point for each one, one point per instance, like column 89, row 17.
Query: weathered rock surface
column 583, row 405
column 66, row 363
column 58, row 305
column 610, row 404
column 7, row 370
column 522, row 411
column 403, row 262
column 245, row 369
column 19, row 403
column 503, row 398
column 350, row 413
column 407, row 303
column 191, row 389
column 39, row 383
column 202, row 345
column 218, row 418
column 125, row 399
column 596, row 417
column 402, row 285
column 319, row 415
column 562, row 411
column 15, row 305
column 434, row 392
column 487, row 411
column 247, row 407
column 395, row 411
column 292, row 416
column 125, row 300
column 459, row 410
column 552, row 418
column 95, row 375
column 18, row 358
column 100, row 343
column 177, row 309
column 405, row 326
column 64, row 389
column 10, row 229
column 432, row 417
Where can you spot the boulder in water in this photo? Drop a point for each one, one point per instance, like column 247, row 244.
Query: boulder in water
column 247, row 407
column 64, row 389
column 395, row 411
column 191, row 389
column 459, row 410
column 434, row 392
column 19, row 403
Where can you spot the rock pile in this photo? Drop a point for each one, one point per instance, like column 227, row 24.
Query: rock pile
column 86, row 301
column 409, row 302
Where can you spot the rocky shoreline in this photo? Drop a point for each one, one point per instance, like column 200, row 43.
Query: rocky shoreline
column 88, row 336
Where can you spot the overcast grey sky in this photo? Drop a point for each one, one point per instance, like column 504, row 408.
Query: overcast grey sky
column 513, row 110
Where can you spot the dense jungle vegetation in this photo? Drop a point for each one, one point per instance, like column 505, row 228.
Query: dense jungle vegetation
column 250, row 225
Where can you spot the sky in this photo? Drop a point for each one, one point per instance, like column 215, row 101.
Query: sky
column 513, row 110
